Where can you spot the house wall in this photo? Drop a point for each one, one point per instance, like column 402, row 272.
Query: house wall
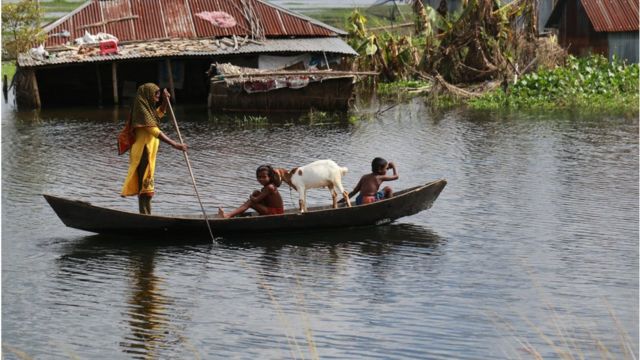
column 576, row 32
column 545, row 7
column 624, row 45
column 92, row 83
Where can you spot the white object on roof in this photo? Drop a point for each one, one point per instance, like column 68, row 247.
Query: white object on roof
column 39, row 53
column 94, row 39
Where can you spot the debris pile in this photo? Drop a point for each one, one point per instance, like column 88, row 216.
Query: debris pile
column 89, row 52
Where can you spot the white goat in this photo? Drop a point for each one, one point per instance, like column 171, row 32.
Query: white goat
column 318, row 174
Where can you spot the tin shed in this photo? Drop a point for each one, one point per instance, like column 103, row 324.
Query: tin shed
column 170, row 42
column 607, row 27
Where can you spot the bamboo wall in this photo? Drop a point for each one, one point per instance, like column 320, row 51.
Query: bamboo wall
column 329, row 95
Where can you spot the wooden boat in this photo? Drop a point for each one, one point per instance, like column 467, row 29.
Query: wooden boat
column 84, row 216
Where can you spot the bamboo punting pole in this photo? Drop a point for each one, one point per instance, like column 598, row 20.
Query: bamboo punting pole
column 193, row 179
column 170, row 76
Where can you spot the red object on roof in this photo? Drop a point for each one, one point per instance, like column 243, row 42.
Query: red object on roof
column 108, row 47
column 141, row 20
column 612, row 15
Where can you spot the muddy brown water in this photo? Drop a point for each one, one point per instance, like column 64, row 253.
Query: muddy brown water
column 535, row 237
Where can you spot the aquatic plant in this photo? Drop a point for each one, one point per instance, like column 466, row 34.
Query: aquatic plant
column 588, row 83
column 403, row 86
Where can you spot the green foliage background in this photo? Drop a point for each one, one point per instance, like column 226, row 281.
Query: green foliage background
column 21, row 27
column 586, row 83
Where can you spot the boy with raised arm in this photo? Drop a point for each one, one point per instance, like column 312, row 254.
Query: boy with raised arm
column 369, row 183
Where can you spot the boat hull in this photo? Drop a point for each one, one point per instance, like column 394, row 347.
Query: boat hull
column 84, row 216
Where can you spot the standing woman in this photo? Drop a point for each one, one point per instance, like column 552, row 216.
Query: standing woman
column 142, row 160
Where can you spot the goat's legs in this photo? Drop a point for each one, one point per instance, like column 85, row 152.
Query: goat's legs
column 344, row 194
column 334, row 197
column 346, row 198
column 303, row 200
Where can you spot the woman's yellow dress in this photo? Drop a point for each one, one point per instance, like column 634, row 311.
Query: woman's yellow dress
column 146, row 138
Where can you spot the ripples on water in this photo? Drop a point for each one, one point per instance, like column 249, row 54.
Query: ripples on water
column 536, row 231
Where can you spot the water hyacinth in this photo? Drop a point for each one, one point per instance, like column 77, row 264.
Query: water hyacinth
column 591, row 82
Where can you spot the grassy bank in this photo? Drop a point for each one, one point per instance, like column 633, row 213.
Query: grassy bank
column 55, row 9
column 587, row 84
column 9, row 69
column 377, row 16
column 403, row 87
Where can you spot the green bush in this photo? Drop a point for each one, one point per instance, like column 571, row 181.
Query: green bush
column 394, row 88
column 9, row 69
column 590, row 83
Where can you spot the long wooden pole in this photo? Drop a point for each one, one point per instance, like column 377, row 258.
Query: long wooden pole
column 36, row 91
column 170, row 77
column 114, row 81
column 193, row 179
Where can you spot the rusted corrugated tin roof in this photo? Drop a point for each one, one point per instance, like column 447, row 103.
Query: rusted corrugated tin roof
column 193, row 47
column 141, row 20
column 612, row 15
column 604, row 15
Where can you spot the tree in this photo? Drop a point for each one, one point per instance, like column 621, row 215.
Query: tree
column 21, row 27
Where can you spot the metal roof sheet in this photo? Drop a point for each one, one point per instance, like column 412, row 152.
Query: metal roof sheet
column 604, row 15
column 140, row 20
column 192, row 47
column 612, row 15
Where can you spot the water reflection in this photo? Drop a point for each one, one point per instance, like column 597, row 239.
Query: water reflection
column 149, row 321
column 155, row 322
column 325, row 252
column 371, row 240
column 145, row 307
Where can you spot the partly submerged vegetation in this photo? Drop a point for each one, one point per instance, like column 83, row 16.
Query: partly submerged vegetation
column 404, row 87
column 485, row 41
column 586, row 83
column 489, row 56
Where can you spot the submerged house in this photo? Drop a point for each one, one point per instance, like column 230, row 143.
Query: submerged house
column 101, row 52
column 608, row 27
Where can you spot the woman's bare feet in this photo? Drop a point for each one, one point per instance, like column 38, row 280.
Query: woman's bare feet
column 221, row 213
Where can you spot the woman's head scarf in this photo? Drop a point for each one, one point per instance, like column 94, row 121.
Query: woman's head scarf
column 144, row 110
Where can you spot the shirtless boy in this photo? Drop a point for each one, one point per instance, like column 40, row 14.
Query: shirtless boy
column 369, row 184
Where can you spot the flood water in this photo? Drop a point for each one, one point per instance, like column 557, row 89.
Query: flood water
column 531, row 249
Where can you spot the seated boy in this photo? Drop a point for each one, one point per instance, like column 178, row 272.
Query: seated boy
column 369, row 183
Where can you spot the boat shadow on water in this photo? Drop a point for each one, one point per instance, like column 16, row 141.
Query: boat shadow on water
column 383, row 235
